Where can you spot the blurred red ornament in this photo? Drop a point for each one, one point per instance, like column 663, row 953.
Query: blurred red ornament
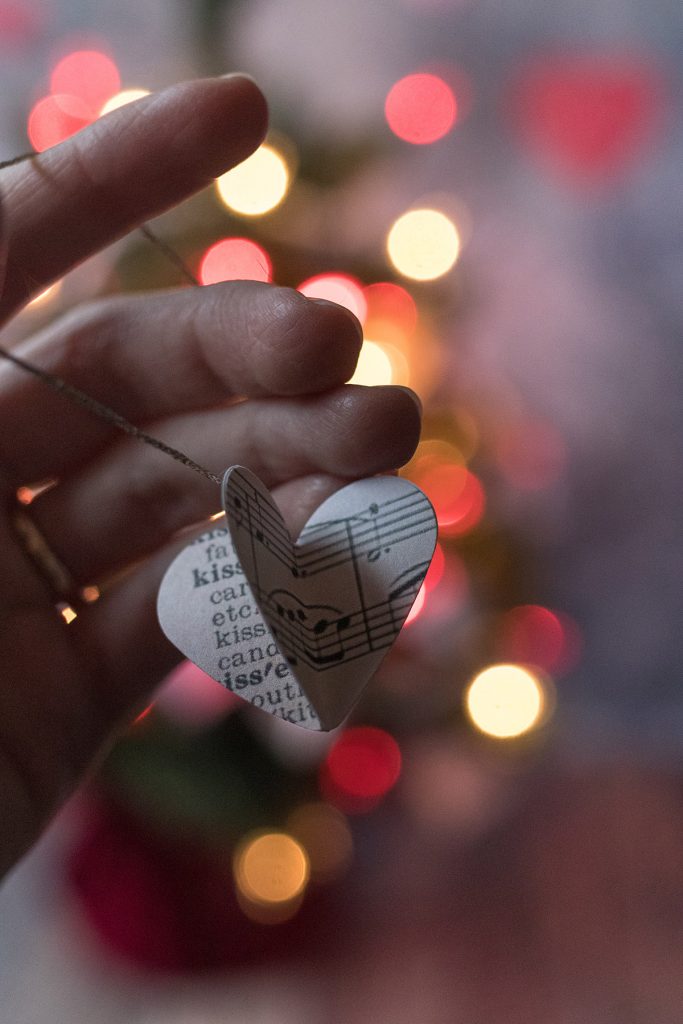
column 589, row 115
column 360, row 769
column 169, row 905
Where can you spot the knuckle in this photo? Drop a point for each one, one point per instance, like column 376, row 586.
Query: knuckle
column 95, row 325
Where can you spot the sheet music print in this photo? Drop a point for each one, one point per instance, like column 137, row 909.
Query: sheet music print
column 298, row 629
column 336, row 600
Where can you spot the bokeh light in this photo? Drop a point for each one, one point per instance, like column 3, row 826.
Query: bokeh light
column 420, row 108
column 538, row 636
column 68, row 613
column 390, row 302
column 235, row 259
column 122, row 99
column 324, row 833
column 436, row 569
column 54, row 119
column 46, row 296
column 340, row 288
column 505, row 700
column 270, row 868
column 257, row 185
column 423, row 244
column 360, row 769
column 374, row 365
column 457, row 496
column 90, row 76
column 587, row 114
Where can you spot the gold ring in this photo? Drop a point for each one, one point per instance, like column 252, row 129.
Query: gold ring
column 48, row 564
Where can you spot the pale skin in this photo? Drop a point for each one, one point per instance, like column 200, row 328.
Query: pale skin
column 172, row 362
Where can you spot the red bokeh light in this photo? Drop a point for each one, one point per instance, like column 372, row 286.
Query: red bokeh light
column 54, row 118
column 235, row 259
column 457, row 496
column 360, row 769
column 436, row 569
column 387, row 301
column 89, row 75
column 340, row 288
column 588, row 114
column 533, row 635
column 19, row 22
column 420, row 108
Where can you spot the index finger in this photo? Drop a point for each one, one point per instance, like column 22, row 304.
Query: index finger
column 124, row 169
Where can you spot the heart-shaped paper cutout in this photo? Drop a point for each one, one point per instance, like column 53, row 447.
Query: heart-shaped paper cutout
column 298, row 629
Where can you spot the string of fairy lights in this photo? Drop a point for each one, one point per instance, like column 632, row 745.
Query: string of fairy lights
column 506, row 699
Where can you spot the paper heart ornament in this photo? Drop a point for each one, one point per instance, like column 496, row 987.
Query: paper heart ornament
column 297, row 629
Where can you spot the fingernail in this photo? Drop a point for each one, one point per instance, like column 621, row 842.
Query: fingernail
column 239, row 74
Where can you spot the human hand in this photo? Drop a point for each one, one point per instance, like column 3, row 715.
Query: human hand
column 171, row 361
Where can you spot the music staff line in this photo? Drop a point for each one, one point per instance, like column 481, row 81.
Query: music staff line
column 336, row 528
column 381, row 621
column 369, row 539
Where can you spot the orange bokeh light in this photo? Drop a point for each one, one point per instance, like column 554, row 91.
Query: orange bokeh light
column 457, row 496
column 89, row 75
column 360, row 769
column 235, row 259
column 420, row 108
column 54, row 119
column 387, row 301
column 340, row 288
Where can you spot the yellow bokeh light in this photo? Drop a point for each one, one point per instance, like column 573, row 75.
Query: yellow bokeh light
column 374, row 365
column 120, row 99
column 257, row 185
column 423, row 244
column 68, row 613
column 271, row 867
column 505, row 700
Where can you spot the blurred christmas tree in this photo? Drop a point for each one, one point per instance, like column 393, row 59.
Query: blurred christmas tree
column 210, row 829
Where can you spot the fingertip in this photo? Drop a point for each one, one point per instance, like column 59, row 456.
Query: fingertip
column 397, row 413
column 376, row 428
column 235, row 118
column 308, row 346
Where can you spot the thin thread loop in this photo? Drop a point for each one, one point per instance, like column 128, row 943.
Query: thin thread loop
column 93, row 405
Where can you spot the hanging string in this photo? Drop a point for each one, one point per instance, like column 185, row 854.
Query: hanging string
column 86, row 401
